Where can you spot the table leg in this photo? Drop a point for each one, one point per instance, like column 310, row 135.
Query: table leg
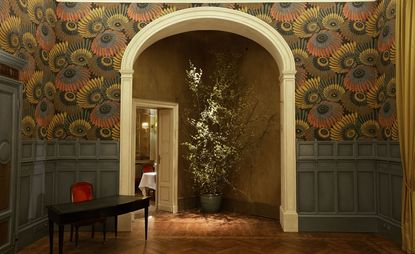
column 50, row 236
column 60, row 239
column 116, row 226
column 146, row 220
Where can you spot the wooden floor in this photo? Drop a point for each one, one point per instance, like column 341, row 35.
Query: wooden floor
column 191, row 232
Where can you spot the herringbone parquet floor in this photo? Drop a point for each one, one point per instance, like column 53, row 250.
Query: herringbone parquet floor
column 225, row 233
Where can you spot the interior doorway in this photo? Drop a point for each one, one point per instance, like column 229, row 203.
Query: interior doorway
column 156, row 136
column 146, row 153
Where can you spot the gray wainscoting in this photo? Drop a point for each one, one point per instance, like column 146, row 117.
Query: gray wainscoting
column 47, row 171
column 349, row 186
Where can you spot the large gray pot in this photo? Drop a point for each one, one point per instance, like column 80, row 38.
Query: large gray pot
column 210, row 203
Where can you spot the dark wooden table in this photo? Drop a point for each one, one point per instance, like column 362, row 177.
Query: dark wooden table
column 69, row 213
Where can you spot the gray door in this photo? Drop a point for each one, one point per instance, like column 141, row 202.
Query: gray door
column 9, row 136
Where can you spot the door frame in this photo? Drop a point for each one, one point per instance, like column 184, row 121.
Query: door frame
column 232, row 21
column 174, row 108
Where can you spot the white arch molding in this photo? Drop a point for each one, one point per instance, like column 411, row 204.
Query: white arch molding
column 227, row 20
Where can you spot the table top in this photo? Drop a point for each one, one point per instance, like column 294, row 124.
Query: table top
column 66, row 208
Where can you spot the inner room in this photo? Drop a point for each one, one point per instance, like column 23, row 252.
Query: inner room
column 159, row 76
column 146, row 152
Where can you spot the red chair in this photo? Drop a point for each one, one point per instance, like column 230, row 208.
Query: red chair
column 84, row 191
column 148, row 168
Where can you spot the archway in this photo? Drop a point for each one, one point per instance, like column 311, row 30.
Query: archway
column 227, row 20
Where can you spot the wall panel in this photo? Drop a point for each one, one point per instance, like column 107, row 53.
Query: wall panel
column 306, row 196
column 366, row 202
column 48, row 170
column 346, row 191
column 108, row 183
column 326, row 189
column 36, row 196
column 64, row 182
column 349, row 186
column 384, row 192
column 23, row 200
column 396, row 188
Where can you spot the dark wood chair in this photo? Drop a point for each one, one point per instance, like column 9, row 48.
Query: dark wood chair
column 84, row 191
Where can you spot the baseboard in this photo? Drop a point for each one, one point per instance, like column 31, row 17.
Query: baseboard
column 257, row 209
column 167, row 208
column 377, row 224
column 314, row 223
column 233, row 205
column 390, row 230
column 188, row 203
column 30, row 233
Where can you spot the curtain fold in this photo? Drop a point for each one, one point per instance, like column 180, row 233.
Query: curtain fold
column 405, row 83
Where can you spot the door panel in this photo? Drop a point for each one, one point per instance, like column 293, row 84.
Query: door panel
column 6, row 135
column 4, row 232
column 5, row 170
column 165, row 166
column 9, row 109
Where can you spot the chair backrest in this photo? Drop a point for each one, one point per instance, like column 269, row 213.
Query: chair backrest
column 148, row 168
column 82, row 191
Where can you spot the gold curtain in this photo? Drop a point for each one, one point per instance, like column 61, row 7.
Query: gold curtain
column 405, row 82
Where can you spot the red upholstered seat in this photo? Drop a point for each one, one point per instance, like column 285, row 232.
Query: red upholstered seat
column 148, row 168
column 84, row 191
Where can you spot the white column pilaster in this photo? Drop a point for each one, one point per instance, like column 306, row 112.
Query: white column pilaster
column 126, row 145
column 288, row 208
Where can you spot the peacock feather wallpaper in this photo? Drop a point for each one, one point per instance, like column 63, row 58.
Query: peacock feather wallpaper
column 344, row 55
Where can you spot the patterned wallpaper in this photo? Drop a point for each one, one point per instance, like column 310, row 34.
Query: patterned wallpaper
column 344, row 53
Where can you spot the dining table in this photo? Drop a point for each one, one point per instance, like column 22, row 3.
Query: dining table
column 148, row 180
column 69, row 213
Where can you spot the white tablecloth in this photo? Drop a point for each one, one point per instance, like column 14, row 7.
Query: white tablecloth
column 148, row 180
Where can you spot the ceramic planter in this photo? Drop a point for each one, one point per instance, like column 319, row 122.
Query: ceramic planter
column 210, row 203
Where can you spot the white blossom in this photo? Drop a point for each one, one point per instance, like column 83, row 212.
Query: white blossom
column 213, row 147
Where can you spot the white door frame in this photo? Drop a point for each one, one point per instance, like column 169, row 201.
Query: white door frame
column 232, row 21
column 174, row 107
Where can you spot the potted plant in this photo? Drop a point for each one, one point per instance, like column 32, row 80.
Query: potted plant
column 216, row 125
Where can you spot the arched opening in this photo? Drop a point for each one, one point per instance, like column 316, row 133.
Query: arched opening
column 159, row 76
column 220, row 19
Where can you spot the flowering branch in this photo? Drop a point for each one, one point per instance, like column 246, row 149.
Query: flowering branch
column 218, row 133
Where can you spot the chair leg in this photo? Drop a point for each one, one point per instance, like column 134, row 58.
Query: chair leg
column 70, row 239
column 76, row 235
column 93, row 230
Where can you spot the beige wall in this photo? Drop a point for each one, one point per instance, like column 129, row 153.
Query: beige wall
column 160, row 75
